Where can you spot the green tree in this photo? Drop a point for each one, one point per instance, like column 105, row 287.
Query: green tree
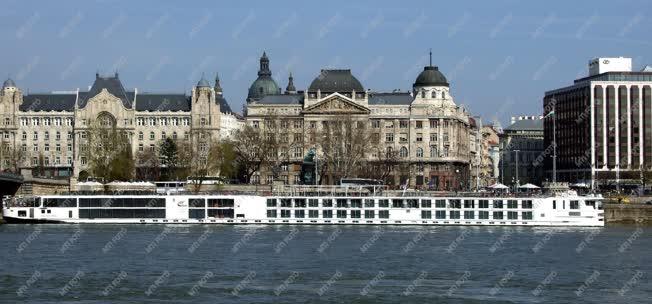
column 169, row 156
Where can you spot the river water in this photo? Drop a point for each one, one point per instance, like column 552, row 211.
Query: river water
column 323, row 264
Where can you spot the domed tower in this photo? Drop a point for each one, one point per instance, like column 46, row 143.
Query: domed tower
column 205, row 112
column 431, row 86
column 9, row 92
column 218, row 87
column 290, row 89
column 264, row 84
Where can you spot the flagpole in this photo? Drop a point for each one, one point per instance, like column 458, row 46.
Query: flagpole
column 554, row 144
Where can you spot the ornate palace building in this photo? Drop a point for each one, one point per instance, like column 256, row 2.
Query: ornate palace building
column 50, row 130
column 424, row 127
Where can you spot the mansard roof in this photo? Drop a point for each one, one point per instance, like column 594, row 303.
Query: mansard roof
column 113, row 85
column 48, row 102
column 162, row 102
column 404, row 99
column 282, row 99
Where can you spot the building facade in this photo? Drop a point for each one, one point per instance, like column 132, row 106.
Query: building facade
column 522, row 151
column 51, row 130
column 603, row 125
column 424, row 128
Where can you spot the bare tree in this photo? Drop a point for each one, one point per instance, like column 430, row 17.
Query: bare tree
column 253, row 148
column 344, row 143
column 12, row 158
column 108, row 151
column 148, row 165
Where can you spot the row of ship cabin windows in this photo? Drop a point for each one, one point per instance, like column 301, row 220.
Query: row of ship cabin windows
column 403, row 203
column 384, row 214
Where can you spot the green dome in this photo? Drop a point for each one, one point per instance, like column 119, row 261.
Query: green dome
column 431, row 76
column 262, row 86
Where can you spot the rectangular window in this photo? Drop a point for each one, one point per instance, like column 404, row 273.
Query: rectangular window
column 300, row 202
column 469, row 214
column 457, row 204
column 554, row 204
column 355, row 213
column 313, row 213
column 327, row 214
column 413, row 203
column 419, row 137
column 426, row 214
column 527, row 204
column 271, row 213
column 403, row 124
column 341, row 213
column 341, row 203
column 426, row 203
column 369, row 214
column 383, row 203
column 356, row 203
column 383, row 214
column 483, row 204
column 286, row 202
column 469, row 204
column 574, row 204
column 498, row 215
column 512, row 215
column 526, row 215
column 285, row 213
column 369, row 203
column 512, row 204
column 389, row 137
column 483, row 215
column 419, row 124
column 440, row 203
column 271, row 202
column 299, row 213
column 440, row 214
column 403, row 137
column 327, row 203
column 454, row 215
column 313, row 202
column 498, row 204
column 397, row 203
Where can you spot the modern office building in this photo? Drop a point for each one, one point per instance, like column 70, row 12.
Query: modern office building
column 603, row 125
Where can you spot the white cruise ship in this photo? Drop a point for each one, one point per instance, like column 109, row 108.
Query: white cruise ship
column 563, row 209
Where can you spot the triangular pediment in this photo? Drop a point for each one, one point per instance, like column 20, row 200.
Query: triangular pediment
column 336, row 104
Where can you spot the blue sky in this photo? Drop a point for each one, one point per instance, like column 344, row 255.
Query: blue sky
column 500, row 56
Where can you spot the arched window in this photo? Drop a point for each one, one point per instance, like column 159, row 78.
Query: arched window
column 443, row 95
column 423, row 93
column 433, row 151
column 434, row 94
column 419, row 152
column 389, row 152
column 174, row 135
column 140, row 135
column 403, row 152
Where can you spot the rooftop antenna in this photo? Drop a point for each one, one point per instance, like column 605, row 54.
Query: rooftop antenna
column 430, row 56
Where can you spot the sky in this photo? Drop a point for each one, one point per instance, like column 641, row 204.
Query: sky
column 499, row 56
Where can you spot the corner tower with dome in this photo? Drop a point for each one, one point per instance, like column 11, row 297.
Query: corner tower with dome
column 422, row 132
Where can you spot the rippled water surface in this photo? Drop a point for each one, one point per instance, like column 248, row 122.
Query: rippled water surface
column 323, row 264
